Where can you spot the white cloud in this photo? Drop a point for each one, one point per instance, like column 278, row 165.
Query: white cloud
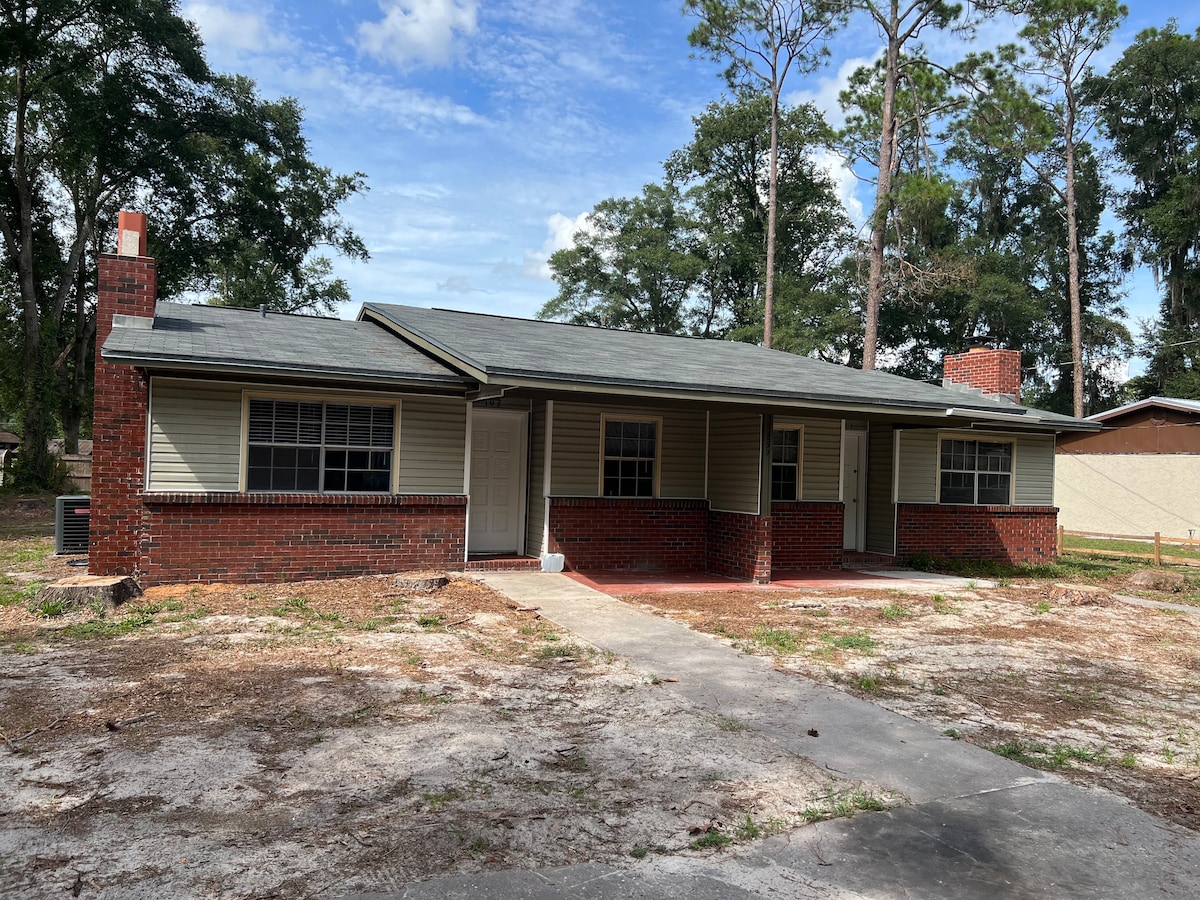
column 234, row 29
column 825, row 95
column 562, row 235
column 845, row 183
column 417, row 31
column 457, row 284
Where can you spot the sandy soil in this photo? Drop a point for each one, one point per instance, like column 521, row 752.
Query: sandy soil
column 1070, row 680
column 319, row 739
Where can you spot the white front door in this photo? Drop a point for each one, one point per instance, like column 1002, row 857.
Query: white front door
column 497, row 482
column 854, row 486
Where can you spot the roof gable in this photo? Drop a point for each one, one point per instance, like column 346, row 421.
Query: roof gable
column 1174, row 404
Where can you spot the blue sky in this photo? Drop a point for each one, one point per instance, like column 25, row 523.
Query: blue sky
column 487, row 128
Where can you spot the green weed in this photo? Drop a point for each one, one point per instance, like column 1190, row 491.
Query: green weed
column 713, row 839
column 1039, row 756
column 842, row 806
column 747, row 830
column 292, row 606
column 640, row 852
column 896, row 611
column 781, row 641
column 48, row 609
column 725, row 723
column 868, row 684
column 559, row 651
column 859, row 640
column 134, row 619
column 944, row 607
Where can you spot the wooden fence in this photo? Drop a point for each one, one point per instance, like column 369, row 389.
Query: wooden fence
column 1156, row 540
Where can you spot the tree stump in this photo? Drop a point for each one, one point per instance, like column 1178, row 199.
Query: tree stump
column 86, row 590
column 1157, row 580
column 422, row 582
column 1081, row 595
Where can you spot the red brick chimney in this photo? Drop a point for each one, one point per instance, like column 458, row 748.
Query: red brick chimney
column 126, row 292
column 986, row 369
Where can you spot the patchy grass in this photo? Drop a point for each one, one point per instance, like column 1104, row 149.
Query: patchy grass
column 781, row 641
column 896, row 611
column 844, row 805
column 858, row 640
column 13, row 592
column 135, row 618
column 713, row 839
column 1074, row 543
column 1051, row 757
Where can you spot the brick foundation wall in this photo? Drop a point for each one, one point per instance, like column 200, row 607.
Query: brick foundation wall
column 1016, row 534
column 126, row 286
column 620, row 535
column 268, row 537
column 739, row 545
column 806, row 536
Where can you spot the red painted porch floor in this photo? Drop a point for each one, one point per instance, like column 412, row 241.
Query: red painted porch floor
column 813, row 580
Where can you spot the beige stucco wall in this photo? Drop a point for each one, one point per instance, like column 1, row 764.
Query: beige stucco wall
column 1128, row 493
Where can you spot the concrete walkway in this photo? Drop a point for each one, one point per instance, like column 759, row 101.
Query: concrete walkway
column 977, row 826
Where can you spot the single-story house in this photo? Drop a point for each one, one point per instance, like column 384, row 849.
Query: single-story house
column 245, row 445
column 1138, row 475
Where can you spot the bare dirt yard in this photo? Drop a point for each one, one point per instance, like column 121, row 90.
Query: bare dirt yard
column 1070, row 680
column 320, row 739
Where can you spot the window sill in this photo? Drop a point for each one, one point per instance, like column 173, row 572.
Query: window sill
column 243, row 498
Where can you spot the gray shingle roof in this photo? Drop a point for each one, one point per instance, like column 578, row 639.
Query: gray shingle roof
column 1176, row 403
column 237, row 340
column 526, row 349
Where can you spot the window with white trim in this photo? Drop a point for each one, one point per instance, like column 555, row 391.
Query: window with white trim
column 630, row 457
column 976, row 472
column 785, row 464
column 302, row 445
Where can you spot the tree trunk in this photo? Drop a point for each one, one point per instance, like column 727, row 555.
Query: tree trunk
column 34, row 465
column 772, row 192
column 1073, row 263
column 883, row 197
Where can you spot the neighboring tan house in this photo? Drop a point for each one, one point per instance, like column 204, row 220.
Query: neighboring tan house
column 1139, row 475
column 242, row 445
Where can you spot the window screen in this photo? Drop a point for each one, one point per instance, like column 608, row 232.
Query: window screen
column 785, row 464
column 297, row 445
column 976, row 472
column 630, row 454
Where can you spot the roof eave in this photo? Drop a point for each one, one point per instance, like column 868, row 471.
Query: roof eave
column 677, row 391
column 224, row 367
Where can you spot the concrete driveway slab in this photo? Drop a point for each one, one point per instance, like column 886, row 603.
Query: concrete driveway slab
column 977, row 825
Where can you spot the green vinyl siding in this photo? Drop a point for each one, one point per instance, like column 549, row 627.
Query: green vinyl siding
column 195, row 436
column 575, row 450
column 1033, row 478
column 821, row 459
column 734, row 462
column 433, row 436
column 1033, row 465
column 576, row 446
column 881, row 511
column 535, row 518
column 917, row 479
